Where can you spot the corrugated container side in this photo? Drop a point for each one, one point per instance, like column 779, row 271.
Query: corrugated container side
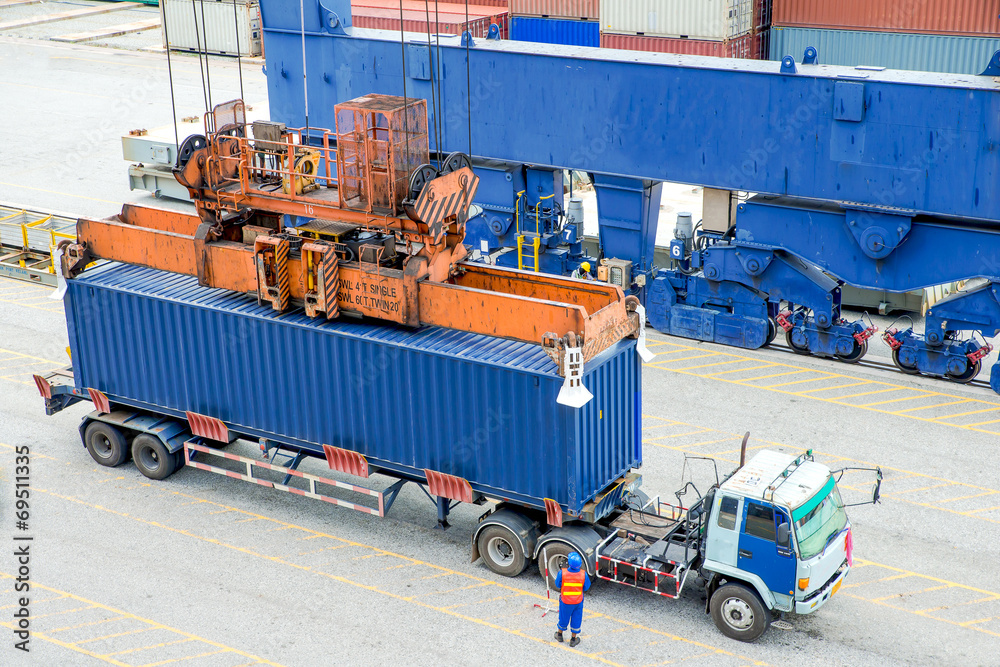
column 218, row 33
column 957, row 54
column 569, row 9
column 473, row 406
column 414, row 21
column 972, row 17
column 697, row 19
column 746, row 46
column 555, row 31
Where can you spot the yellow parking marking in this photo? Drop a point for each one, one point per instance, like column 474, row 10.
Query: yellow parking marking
column 773, row 375
column 974, row 495
column 863, row 393
column 182, row 640
column 189, row 657
column 115, row 635
column 966, row 624
column 896, row 400
column 982, row 509
column 785, row 384
column 970, row 412
column 478, row 581
column 715, row 363
column 740, row 370
column 671, row 361
column 46, row 635
column 936, row 405
column 85, row 625
column 992, row 421
column 839, row 386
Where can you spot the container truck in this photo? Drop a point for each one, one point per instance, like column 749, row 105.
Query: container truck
column 176, row 371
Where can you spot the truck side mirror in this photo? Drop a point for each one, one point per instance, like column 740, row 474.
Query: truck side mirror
column 784, row 532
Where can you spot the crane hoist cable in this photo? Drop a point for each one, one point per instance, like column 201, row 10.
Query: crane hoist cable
column 305, row 86
column 434, row 106
column 170, row 78
column 239, row 57
column 402, row 57
column 468, row 73
column 197, row 37
column 204, row 34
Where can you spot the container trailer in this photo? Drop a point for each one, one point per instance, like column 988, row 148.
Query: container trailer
column 177, row 370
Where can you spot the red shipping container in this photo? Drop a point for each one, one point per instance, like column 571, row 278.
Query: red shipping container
column 953, row 17
column 417, row 21
column 745, row 46
column 561, row 9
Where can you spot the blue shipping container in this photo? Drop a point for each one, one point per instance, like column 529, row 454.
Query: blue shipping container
column 894, row 50
column 474, row 406
column 555, row 31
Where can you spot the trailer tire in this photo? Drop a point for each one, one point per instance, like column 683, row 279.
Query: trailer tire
column 501, row 551
column 106, row 444
column 558, row 555
column 738, row 612
column 152, row 458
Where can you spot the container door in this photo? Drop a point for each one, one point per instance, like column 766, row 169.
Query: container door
column 759, row 552
column 723, row 532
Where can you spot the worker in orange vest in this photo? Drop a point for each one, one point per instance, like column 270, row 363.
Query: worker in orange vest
column 572, row 582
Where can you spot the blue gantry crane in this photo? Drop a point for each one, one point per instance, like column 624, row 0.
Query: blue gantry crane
column 861, row 176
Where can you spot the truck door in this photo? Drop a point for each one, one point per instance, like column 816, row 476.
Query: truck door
column 759, row 552
column 724, row 530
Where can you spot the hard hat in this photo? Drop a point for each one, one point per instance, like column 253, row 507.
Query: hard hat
column 585, row 266
column 575, row 562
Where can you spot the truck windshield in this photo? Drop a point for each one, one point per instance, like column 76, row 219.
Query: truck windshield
column 824, row 521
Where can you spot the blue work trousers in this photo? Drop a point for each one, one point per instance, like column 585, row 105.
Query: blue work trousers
column 571, row 615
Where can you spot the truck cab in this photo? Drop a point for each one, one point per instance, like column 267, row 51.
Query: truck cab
column 777, row 539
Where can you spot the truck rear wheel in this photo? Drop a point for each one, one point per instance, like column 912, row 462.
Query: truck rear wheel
column 106, row 444
column 152, row 457
column 501, row 551
column 739, row 613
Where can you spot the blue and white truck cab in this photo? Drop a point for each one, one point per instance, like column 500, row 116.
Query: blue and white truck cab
column 777, row 526
column 771, row 539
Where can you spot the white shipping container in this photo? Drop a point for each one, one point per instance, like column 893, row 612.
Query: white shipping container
column 697, row 19
column 221, row 31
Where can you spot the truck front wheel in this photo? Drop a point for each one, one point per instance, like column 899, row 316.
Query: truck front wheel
column 739, row 613
column 152, row 457
column 501, row 551
column 106, row 444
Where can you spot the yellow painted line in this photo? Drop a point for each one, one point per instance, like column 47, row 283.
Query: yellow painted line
column 896, row 596
column 966, row 624
column 153, row 624
column 785, row 384
column 115, row 635
column 671, row 361
column 971, row 412
column 863, row 393
column 928, row 407
column 982, row 509
column 895, row 400
column 715, row 363
column 992, row 421
column 839, row 386
column 374, row 589
column 182, row 640
column 974, row 495
column 740, row 370
column 773, row 375
column 88, row 624
column 21, row 354
column 921, row 488
column 952, row 605
column 188, row 657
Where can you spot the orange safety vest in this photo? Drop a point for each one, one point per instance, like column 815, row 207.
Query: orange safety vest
column 572, row 587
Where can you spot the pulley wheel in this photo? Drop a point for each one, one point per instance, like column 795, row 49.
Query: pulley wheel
column 790, row 338
column 454, row 162
column 969, row 375
column 189, row 147
column 420, row 177
column 911, row 370
column 860, row 349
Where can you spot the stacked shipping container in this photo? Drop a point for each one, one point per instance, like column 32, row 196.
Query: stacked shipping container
column 435, row 17
column 731, row 28
column 934, row 35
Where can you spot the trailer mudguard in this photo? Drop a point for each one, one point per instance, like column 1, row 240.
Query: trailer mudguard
column 582, row 538
column 524, row 529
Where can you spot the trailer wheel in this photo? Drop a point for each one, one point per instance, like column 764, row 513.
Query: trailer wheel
column 106, row 444
column 558, row 555
column 501, row 551
column 739, row 613
column 152, row 458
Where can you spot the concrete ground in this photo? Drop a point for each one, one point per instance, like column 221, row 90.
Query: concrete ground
column 206, row 570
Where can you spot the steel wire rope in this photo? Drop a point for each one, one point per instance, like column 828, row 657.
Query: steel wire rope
column 430, row 54
column 170, row 78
